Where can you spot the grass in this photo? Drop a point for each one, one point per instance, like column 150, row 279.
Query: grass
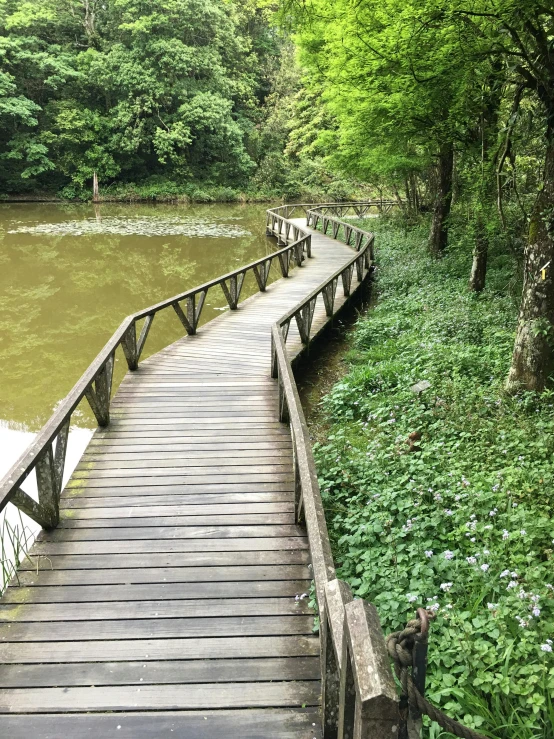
column 15, row 541
column 461, row 525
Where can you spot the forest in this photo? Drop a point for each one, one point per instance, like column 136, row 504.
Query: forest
column 448, row 107
column 445, row 106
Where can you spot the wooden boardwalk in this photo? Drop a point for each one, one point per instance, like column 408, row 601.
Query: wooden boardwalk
column 171, row 598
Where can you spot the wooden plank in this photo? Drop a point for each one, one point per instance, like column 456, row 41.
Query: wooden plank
column 220, row 465
column 141, row 546
column 164, row 628
column 90, row 490
column 224, row 520
column 126, row 444
column 180, row 414
column 199, row 421
column 159, row 673
column 159, row 649
column 159, row 609
column 158, row 591
column 157, row 533
column 250, row 724
column 103, row 458
column 135, row 481
column 208, row 499
column 175, row 511
column 155, row 697
column 191, row 433
column 125, row 576
column 169, row 559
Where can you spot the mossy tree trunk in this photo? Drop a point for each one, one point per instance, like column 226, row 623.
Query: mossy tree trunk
column 483, row 206
column 480, row 256
column 438, row 237
column 533, row 356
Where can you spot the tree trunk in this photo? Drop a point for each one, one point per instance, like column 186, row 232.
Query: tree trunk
column 438, row 238
column 95, row 191
column 480, row 254
column 408, row 195
column 533, row 357
column 489, row 133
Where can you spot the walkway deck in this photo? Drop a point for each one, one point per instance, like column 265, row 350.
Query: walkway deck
column 168, row 599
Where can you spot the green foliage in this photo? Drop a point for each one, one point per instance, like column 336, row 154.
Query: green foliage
column 173, row 89
column 463, row 526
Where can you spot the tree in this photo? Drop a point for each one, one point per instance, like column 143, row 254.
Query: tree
column 132, row 91
column 397, row 81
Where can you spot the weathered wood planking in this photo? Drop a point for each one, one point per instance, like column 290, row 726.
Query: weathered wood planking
column 176, row 582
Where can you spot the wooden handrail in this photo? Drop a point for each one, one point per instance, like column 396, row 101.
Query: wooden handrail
column 358, row 691
column 46, row 454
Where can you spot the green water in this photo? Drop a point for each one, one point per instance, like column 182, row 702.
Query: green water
column 69, row 274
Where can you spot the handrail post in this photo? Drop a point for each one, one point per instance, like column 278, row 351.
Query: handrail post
column 376, row 709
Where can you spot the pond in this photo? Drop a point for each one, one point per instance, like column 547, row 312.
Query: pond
column 69, row 274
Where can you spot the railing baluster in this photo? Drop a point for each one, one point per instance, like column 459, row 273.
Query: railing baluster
column 298, row 499
column 60, row 453
column 47, row 485
column 360, row 268
column 284, row 263
column 284, row 415
column 329, row 292
column 183, row 318
column 129, row 346
column 299, row 253
column 304, row 318
column 144, row 334
column 31, row 508
column 261, row 273
column 347, row 280
column 49, row 478
column 274, row 360
column 99, row 395
column 232, row 292
column 195, row 310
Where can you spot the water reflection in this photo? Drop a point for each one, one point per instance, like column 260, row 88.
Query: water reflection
column 69, row 274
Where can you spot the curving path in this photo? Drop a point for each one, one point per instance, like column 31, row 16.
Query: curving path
column 170, row 599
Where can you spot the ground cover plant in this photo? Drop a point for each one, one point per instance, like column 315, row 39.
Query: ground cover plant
column 443, row 499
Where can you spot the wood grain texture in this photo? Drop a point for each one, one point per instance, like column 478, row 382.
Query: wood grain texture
column 239, row 724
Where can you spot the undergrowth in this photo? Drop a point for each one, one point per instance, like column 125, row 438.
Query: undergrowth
column 458, row 521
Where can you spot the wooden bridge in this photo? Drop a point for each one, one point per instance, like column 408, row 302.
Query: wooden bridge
column 168, row 593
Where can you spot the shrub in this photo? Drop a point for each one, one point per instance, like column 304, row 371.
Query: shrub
column 463, row 526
